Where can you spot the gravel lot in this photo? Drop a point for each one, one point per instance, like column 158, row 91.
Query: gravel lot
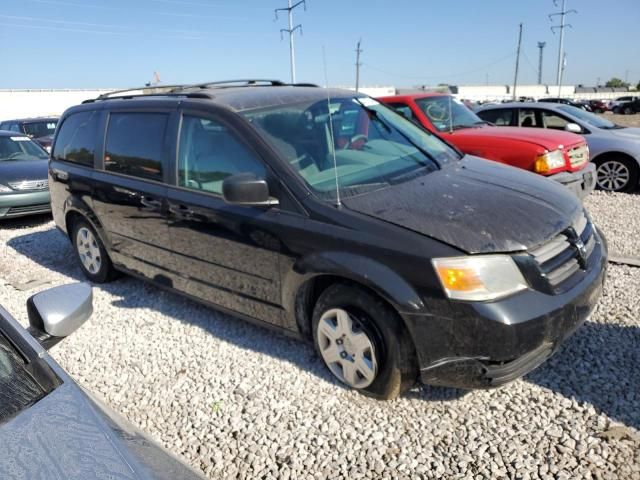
column 235, row 400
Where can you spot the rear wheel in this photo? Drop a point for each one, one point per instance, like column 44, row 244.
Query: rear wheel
column 615, row 174
column 93, row 258
column 362, row 342
column 627, row 110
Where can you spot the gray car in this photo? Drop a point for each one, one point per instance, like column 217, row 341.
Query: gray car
column 24, row 186
column 613, row 148
column 51, row 428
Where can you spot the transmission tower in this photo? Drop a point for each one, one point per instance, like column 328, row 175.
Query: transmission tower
column 291, row 31
column 562, row 13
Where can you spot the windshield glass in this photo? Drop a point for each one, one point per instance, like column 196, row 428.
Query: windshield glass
column 590, row 118
column 18, row 389
column 373, row 145
column 40, row 129
column 20, row 148
column 447, row 113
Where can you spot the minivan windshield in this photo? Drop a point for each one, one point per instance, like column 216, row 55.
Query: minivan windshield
column 20, row 148
column 373, row 145
column 590, row 118
column 448, row 113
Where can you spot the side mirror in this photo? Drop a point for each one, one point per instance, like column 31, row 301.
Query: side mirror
column 247, row 189
column 58, row 312
column 573, row 128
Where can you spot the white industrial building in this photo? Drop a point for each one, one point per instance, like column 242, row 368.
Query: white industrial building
column 40, row 103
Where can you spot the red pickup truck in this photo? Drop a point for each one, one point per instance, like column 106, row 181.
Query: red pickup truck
column 561, row 156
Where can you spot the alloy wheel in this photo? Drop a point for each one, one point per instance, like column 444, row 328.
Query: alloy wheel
column 88, row 250
column 346, row 348
column 613, row 175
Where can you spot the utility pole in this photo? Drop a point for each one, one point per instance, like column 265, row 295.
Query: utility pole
column 564, row 65
column 515, row 79
column 358, row 64
column 562, row 13
column 291, row 31
column 541, row 47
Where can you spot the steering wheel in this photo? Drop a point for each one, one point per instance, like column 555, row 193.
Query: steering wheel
column 437, row 112
column 354, row 139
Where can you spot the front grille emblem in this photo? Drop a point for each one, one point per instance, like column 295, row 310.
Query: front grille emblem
column 578, row 244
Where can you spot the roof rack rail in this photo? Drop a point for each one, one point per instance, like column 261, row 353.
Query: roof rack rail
column 181, row 89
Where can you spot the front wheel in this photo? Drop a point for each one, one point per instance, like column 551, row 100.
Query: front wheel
column 616, row 174
column 91, row 253
column 362, row 342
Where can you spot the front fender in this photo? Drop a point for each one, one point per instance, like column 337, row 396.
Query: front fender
column 365, row 271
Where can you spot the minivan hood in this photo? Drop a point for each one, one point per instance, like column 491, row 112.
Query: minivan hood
column 549, row 139
column 18, row 170
column 476, row 205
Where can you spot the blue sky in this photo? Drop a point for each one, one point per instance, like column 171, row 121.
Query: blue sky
column 118, row 43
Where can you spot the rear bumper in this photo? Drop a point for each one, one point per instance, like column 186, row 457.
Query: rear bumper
column 581, row 182
column 482, row 345
column 27, row 203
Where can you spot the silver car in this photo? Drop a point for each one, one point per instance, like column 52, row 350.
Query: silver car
column 50, row 428
column 613, row 148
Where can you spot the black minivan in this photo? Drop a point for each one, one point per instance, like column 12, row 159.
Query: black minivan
column 325, row 214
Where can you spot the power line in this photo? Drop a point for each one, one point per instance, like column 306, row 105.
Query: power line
column 291, row 31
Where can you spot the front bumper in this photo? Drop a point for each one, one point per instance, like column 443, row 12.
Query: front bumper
column 24, row 203
column 581, row 182
column 482, row 345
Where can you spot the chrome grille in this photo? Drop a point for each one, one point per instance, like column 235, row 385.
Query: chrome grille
column 566, row 254
column 30, row 185
column 579, row 155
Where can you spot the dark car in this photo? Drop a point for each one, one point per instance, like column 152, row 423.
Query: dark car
column 40, row 129
column 24, row 183
column 326, row 215
column 566, row 101
column 50, row 428
column 628, row 107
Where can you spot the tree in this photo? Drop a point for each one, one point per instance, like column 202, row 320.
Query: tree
column 616, row 83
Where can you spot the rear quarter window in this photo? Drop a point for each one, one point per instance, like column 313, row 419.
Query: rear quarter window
column 76, row 141
column 135, row 144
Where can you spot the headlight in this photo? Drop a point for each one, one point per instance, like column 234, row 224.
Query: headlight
column 5, row 189
column 549, row 161
column 478, row 278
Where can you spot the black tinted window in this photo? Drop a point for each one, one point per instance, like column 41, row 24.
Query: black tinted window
column 18, row 389
column 135, row 144
column 404, row 110
column 498, row 117
column 209, row 153
column 76, row 141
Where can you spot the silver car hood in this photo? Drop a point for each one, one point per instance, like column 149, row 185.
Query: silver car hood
column 630, row 133
column 68, row 436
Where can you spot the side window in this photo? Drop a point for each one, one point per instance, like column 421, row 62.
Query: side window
column 209, row 153
column 135, row 144
column 15, row 128
column 503, row 117
column 528, row 118
column 551, row 120
column 76, row 141
column 404, row 110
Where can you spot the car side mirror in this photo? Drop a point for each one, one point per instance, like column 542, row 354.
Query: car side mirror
column 247, row 189
column 573, row 128
column 58, row 312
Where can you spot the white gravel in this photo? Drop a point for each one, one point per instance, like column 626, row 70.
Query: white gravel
column 238, row 401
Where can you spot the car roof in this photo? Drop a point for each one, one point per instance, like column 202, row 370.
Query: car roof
column 31, row 119
column 419, row 95
column 234, row 95
column 7, row 133
column 545, row 105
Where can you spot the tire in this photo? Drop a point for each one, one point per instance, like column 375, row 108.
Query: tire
column 616, row 174
column 627, row 110
column 91, row 254
column 374, row 344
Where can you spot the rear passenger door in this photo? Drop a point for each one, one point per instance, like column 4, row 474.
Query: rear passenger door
column 226, row 254
column 131, row 189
